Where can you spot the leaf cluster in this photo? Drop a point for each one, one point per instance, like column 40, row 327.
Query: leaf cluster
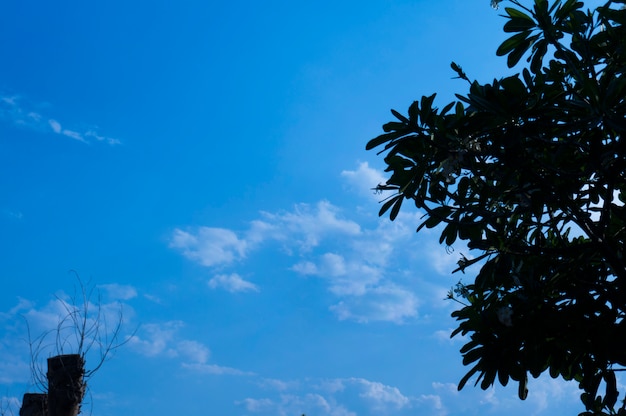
column 530, row 171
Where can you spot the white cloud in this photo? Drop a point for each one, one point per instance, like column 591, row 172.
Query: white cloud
column 74, row 135
column 213, row 369
column 117, row 291
column 357, row 272
column 10, row 100
column 546, row 396
column 443, row 336
column 291, row 404
column 334, row 264
column 450, row 388
column 434, row 401
column 303, row 227
column 50, row 316
column 279, row 385
column 9, row 405
column 353, row 278
column 209, row 246
column 364, row 179
column 16, row 110
column 257, row 405
column 306, row 226
column 193, row 351
column 332, row 386
column 108, row 140
column 163, row 340
column 305, row 268
column 323, row 397
column 52, row 330
column 14, row 215
column 55, row 126
column 232, row 283
column 22, row 305
column 382, row 395
column 545, row 391
column 383, row 303
column 156, row 339
column 13, row 368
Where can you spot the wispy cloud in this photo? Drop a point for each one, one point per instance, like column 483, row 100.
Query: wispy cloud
column 232, row 283
column 364, row 261
column 370, row 397
column 119, row 292
column 547, row 396
column 163, row 340
column 381, row 303
column 301, row 229
column 51, row 330
column 325, row 397
column 13, row 215
column 364, row 179
column 209, row 246
column 13, row 368
column 381, row 395
column 16, row 110
column 9, row 405
column 213, row 369
column 359, row 263
column 286, row 405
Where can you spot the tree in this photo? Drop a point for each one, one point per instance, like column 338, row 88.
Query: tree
column 85, row 329
column 530, row 172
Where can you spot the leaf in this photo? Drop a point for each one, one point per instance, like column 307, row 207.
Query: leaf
column 473, row 355
column 522, row 390
column 518, row 25
column 450, row 233
column 463, row 186
column 512, row 43
column 388, row 205
column 567, row 8
column 518, row 52
column 431, row 222
column 459, row 109
column 427, row 107
column 528, row 79
column 383, row 138
column 514, row 13
column 393, row 126
column 541, row 47
column 396, row 209
column 610, row 398
column 447, row 108
column 514, row 85
column 470, row 345
column 400, row 116
column 503, row 377
column 490, row 377
column 414, row 110
column 427, row 101
column 467, row 376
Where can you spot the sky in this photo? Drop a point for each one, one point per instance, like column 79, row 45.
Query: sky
column 201, row 167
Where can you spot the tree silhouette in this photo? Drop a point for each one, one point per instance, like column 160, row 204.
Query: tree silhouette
column 530, row 171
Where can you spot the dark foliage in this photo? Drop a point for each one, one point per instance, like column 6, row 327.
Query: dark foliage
column 529, row 171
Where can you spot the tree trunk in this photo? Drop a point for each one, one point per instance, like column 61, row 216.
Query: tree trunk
column 34, row 404
column 66, row 386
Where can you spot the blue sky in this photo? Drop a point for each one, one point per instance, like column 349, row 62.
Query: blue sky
column 203, row 165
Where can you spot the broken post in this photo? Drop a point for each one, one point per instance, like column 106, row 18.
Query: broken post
column 34, row 404
column 66, row 385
